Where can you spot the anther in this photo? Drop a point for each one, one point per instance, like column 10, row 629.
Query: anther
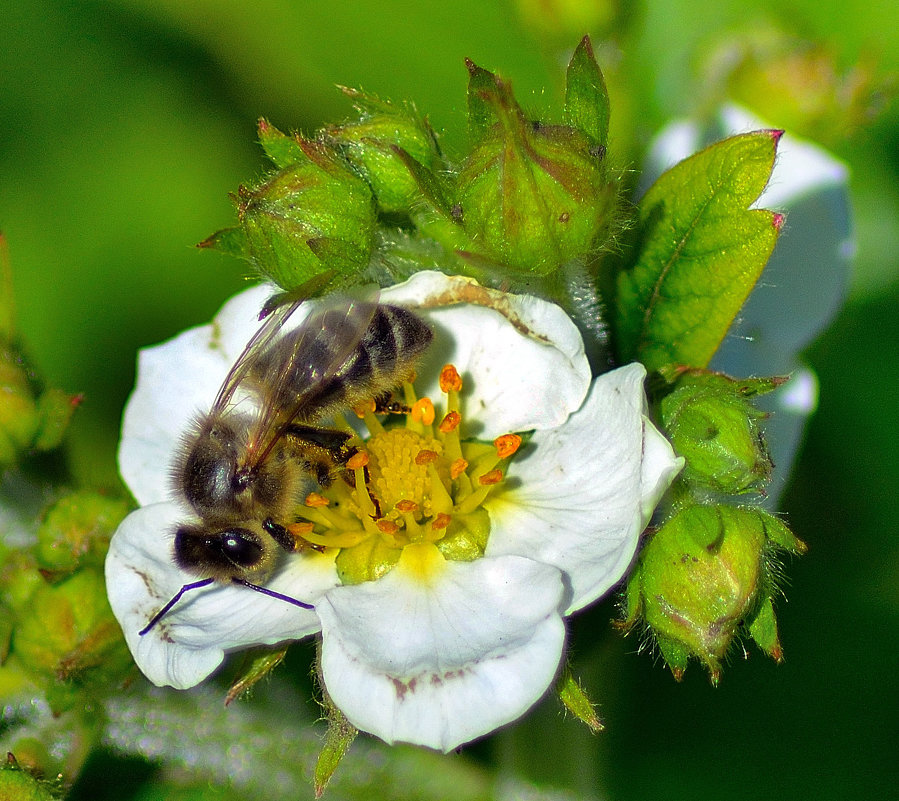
column 425, row 457
column 450, row 422
column 450, row 380
column 441, row 521
column 457, row 468
column 491, row 477
column 357, row 461
column 406, row 506
column 314, row 500
column 423, row 411
column 506, row 445
column 387, row 526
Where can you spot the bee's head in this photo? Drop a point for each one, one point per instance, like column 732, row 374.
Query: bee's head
column 224, row 553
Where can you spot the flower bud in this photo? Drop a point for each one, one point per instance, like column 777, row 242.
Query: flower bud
column 29, row 419
column 372, row 144
column 530, row 196
column 76, row 531
column 706, row 576
column 313, row 216
column 67, row 634
column 711, row 422
column 19, row 785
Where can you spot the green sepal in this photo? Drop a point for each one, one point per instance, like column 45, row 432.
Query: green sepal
column 485, row 91
column 764, row 631
column 576, row 701
column 586, row 97
column 255, row 665
column 282, row 150
column 338, row 739
column 231, row 241
column 701, row 251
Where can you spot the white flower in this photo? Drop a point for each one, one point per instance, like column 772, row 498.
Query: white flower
column 441, row 649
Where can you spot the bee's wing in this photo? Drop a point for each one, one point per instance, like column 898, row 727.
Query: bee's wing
column 260, row 343
column 291, row 366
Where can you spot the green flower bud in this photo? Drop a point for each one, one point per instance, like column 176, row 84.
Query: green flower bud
column 19, row 785
column 711, row 421
column 372, row 144
column 18, row 413
column 313, row 216
column 532, row 196
column 29, row 420
column 76, row 531
column 67, row 633
column 706, row 577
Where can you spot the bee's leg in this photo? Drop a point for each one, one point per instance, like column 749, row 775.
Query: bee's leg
column 280, row 535
column 385, row 404
column 328, row 438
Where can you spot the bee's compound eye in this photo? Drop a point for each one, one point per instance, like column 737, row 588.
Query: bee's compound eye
column 241, row 547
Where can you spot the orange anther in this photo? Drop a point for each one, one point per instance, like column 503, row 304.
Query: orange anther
column 423, row 411
column 425, row 457
column 300, row 529
column 406, row 506
column 441, row 521
column 364, row 408
column 450, row 422
column 458, row 467
column 506, row 445
column 314, row 500
column 357, row 461
column 387, row 526
column 450, row 379
column 491, row 477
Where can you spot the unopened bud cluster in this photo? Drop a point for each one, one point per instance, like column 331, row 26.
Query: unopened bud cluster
column 374, row 198
column 708, row 574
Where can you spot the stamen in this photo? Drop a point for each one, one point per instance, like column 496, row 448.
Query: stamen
column 406, row 506
column 387, row 526
column 314, row 500
column 450, row 422
column 357, row 461
column 450, row 380
column 423, row 411
column 426, row 457
column 441, row 521
column 490, row 478
column 506, row 445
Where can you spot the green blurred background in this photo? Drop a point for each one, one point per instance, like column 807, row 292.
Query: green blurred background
column 125, row 124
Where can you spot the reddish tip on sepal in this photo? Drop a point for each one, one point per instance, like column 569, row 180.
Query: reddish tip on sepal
column 776, row 133
column 777, row 220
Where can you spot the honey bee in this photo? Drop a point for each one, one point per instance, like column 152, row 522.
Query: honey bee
column 249, row 461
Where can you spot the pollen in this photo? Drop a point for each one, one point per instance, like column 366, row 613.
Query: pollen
column 411, row 484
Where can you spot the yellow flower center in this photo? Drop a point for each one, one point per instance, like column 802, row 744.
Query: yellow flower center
column 417, row 483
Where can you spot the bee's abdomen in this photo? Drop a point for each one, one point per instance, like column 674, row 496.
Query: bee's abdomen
column 385, row 357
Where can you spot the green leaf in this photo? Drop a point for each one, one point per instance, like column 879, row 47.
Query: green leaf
column 701, row 252
column 586, row 98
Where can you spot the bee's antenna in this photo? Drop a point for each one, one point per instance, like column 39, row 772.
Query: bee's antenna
column 272, row 593
column 177, row 597
column 196, row 585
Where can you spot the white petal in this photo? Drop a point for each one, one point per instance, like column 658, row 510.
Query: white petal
column 442, row 663
column 192, row 639
column 505, row 346
column 581, row 494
